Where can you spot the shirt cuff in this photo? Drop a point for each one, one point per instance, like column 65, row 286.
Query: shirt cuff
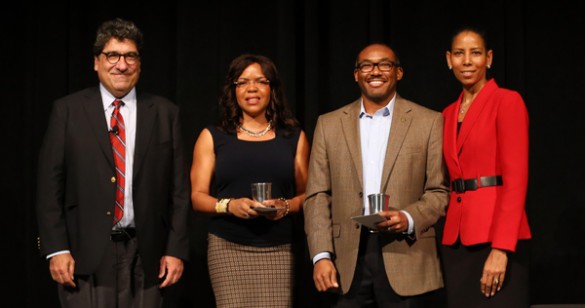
column 410, row 223
column 321, row 255
column 57, row 253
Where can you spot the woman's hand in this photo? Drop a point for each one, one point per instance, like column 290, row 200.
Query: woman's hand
column 281, row 205
column 242, row 208
column 494, row 272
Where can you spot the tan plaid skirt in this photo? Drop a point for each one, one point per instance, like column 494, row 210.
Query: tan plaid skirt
column 248, row 276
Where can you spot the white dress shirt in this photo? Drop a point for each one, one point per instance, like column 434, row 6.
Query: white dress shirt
column 128, row 111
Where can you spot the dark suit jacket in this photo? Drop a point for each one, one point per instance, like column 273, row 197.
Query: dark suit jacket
column 493, row 141
column 413, row 175
column 75, row 189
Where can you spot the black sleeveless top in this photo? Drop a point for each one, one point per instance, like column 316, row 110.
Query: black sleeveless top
column 238, row 163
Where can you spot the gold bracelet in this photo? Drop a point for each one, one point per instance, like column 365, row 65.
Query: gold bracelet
column 222, row 205
column 286, row 205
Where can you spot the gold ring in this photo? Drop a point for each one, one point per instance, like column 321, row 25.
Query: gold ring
column 497, row 281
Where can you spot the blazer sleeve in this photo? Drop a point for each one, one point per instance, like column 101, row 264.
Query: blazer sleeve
column 317, row 210
column 50, row 185
column 512, row 135
column 178, row 240
column 431, row 206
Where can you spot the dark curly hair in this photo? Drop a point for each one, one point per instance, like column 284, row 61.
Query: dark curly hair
column 119, row 29
column 277, row 111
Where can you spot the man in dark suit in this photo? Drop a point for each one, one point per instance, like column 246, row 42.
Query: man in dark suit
column 380, row 143
column 100, row 259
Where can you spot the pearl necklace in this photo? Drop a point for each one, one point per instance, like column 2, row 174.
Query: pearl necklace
column 256, row 134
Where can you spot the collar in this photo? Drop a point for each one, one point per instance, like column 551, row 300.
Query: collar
column 108, row 98
column 384, row 111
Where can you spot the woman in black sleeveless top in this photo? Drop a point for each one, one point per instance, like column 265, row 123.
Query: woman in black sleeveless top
column 250, row 256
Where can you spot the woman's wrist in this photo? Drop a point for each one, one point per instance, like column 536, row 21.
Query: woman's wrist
column 222, row 206
column 286, row 206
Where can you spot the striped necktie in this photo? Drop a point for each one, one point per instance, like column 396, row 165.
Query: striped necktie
column 118, row 140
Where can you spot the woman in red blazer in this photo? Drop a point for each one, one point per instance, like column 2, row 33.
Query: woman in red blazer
column 486, row 152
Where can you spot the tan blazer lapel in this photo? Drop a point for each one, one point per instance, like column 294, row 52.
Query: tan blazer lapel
column 400, row 123
column 351, row 133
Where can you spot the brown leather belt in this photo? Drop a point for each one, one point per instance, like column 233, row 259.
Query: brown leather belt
column 463, row 185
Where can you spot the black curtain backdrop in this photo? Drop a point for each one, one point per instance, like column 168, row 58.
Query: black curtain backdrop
column 46, row 54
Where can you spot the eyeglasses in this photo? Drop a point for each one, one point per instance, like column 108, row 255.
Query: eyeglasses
column 113, row 57
column 244, row 83
column 384, row 66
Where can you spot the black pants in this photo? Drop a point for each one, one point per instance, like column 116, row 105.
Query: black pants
column 370, row 286
column 463, row 268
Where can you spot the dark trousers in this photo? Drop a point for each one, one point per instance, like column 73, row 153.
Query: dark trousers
column 370, row 286
column 463, row 268
column 117, row 283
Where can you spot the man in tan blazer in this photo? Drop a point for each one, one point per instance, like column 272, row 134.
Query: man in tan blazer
column 379, row 143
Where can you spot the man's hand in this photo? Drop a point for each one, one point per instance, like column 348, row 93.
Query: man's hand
column 325, row 275
column 172, row 268
column 62, row 267
column 396, row 221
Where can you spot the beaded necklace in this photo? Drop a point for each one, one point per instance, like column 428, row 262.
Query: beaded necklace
column 256, row 134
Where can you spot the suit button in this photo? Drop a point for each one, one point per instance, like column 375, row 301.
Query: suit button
column 113, row 179
column 459, row 199
column 108, row 213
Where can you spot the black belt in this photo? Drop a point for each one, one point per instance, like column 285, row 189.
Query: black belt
column 122, row 235
column 463, row 185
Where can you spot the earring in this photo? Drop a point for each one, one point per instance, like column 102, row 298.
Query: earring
column 489, row 66
column 450, row 67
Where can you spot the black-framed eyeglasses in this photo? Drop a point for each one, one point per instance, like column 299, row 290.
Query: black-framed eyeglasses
column 113, row 57
column 244, row 82
column 384, row 66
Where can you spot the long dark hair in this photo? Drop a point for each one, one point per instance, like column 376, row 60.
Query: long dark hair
column 277, row 111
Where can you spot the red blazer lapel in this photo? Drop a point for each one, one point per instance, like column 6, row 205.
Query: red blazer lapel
column 450, row 133
column 474, row 111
